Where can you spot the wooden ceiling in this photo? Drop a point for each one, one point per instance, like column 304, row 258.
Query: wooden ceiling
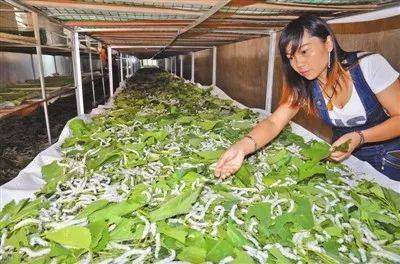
column 166, row 24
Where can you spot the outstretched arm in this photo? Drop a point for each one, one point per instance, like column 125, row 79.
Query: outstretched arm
column 262, row 134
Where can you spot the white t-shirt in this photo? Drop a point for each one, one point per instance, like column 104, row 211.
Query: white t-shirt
column 379, row 75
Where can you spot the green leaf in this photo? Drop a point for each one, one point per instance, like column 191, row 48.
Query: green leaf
column 242, row 258
column 262, row 211
column 72, row 236
column 123, row 231
column 235, row 237
column 56, row 250
column 278, row 255
column 97, row 230
column 317, row 151
column 77, row 126
column 18, row 239
column 113, row 210
column 178, row 233
column 91, row 208
column 105, row 156
column 207, row 124
column 393, row 198
column 178, row 205
column 334, row 231
column 245, row 177
column 309, row 169
column 158, row 135
column 344, row 147
column 24, row 209
column 217, row 250
column 52, row 173
column 192, row 255
column 185, row 119
column 210, row 155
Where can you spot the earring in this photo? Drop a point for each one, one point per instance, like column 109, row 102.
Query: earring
column 329, row 59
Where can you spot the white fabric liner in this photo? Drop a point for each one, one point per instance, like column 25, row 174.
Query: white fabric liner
column 30, row 180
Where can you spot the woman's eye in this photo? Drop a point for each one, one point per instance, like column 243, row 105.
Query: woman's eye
column 304, row 51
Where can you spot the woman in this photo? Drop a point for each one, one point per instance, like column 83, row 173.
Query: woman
column 357, row 94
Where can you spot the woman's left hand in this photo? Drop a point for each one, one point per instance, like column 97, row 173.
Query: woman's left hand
column 355, row 140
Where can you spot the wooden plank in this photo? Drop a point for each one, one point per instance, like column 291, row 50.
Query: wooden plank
column 11, row 38
column 131, row 23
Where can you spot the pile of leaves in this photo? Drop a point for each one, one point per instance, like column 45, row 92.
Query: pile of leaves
column 136, row 185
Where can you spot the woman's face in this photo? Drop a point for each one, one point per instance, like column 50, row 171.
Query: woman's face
column 311, row 59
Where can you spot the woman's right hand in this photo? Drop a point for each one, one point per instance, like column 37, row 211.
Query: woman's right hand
column 230, row 162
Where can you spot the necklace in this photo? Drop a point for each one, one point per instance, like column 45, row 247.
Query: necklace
column 329, row 104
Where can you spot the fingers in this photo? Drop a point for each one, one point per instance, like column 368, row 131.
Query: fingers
column 222, row 162
column 227, row 172
column 226, row 156
column 339, row 156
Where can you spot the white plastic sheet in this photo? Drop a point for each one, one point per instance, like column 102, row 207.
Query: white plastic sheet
column 30, row 180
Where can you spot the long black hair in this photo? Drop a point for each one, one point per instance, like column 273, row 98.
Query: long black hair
column 297, row 89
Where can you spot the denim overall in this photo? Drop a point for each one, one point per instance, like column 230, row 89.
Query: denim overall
column 384, row 156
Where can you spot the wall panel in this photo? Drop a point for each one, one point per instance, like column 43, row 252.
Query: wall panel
column 242, row 71
column 203, row 67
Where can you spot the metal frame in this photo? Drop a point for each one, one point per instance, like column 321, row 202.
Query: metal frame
column 121, row 69
column 76, row 58
column 55, row 64
column 35, row 22
column 102, row 80
column 270, row 72
column 214, row 66
column 181, row 65
column 110, row 71
column 175, row 65
column 88, row 45
column 127, row 66
column 192, row 68
column 33, row 67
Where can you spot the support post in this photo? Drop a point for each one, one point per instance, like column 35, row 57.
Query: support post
column 170, row 63
column 127, row 66
column 131, row 66
column 165, row 64
column 121, row 68
column 102, row 79
column 110, row 71
column 270, row 73
column 55, row 64
column 214, row 67
column 175, row 65
column 41, row 72
column 33, row 67
column 76, row 58
column 192, row 76
column 181, row 65
column 91, row 70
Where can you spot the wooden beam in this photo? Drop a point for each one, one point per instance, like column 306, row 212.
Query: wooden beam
column 109, row 7
column 126, row 29
column 212, row 22
column 131, row 23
